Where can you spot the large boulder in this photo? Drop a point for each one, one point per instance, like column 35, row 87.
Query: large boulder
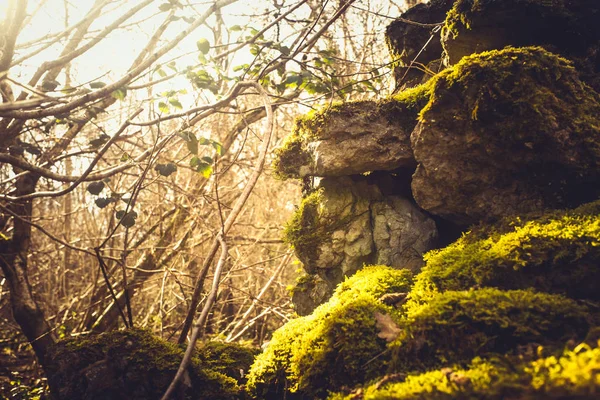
column 566, row 27
column 352, row 138
column 348, row 222
column 507, row 132
column 411, row 45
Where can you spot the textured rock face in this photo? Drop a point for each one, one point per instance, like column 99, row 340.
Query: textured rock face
column 352, row 223
column 353, row 138
column 566, row 27
column 507, row 132
column 411, row 42
column 309, row 293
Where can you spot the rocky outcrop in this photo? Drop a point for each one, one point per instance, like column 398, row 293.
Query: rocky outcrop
column 566, row 27
column 414, row 42
column 348, row 222
column 352, row 138
column 495, row 315
column 507, row 132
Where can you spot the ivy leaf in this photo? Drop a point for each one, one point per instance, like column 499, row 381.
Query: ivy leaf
column 218, row 148
column 99, row 141
column 49, row 86
column 190, row 139
column 95, row 187
column 102, row 202
column 165, row 169
column 388, row 329
column 165, row 7
column 163, row 107
column 119, row 94
column 203, row 46
column 201, row 166
column 97, row 85
column 175, row 103
column 126, row 219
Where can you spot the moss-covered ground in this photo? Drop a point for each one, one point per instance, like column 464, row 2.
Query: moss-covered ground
column 135, row 364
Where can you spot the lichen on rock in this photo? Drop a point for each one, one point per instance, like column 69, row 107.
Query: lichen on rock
column 507, row 132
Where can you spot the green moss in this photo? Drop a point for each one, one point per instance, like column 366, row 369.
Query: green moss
column 558, row 253
column 572, row 374
column 230, row 359
column 307, row 230
column 134, row 364
column 456, row 326
column 525, row 91
column 342, row 333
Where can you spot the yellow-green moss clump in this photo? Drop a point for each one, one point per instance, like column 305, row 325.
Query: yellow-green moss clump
column 134, row 364
column 557, row 253
column 574, row 375
column 334, row 346
column 457, row 326
column 294, row 159
column 306, row 230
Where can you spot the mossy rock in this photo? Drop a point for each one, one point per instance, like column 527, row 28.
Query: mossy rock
column 566, row 27
column 299, row 361
column 456, row 326
column 230, row 359
column 557, row 253
column 352, row 138
column 573, row 374
column 505, row 133
column 134, row 364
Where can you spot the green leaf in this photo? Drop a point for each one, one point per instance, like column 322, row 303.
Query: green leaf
column 97, row 85
column 102, row 202
column 218, row 147
column 95, row 187
column 126, row 219
column 100, row 140
column 165, row 7
column 163, row 107
column 161, row 73
column 254, row 50
column 203, row 46
column 119, row 94
column 202, row 141
column 165, row 169
column 175, row 103
column 235, row 28
column 201, row 166
column 189, row 20
column 240, row 67
column 49, row 86
column 207, row 159
column 190, row 139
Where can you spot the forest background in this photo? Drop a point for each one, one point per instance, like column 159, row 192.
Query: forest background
column 135, row 144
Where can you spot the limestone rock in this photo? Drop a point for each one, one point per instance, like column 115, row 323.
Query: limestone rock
column 309, row 292
column 566, row 27
column 353, row 138
column 409, row 42
column 507, row 132
column 348, row 222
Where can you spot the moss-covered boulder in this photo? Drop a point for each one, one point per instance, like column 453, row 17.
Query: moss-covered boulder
column 134, row 364
column 348, row 222
column 457, row 326
column 556, row 253
column 416, row 45
column 352, row 138
column 570, row 375
column 507, row 132
column 334, row 346
column 566, row 27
